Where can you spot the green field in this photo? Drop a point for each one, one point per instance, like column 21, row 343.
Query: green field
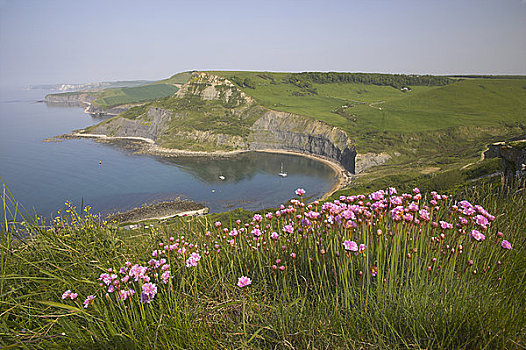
column 115, row 97
column 119, row 96
column 377, row 109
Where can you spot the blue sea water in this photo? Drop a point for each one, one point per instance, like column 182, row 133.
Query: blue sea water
column 43, row 175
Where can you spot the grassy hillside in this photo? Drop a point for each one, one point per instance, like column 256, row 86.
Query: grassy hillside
column 179, row 78
column 114, row 97
column 136, row 91
column 373, row 109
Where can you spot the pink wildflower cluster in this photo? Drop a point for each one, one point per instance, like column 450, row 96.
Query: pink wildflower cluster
column 300, row 233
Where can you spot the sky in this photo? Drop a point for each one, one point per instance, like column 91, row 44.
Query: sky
column 65, row 41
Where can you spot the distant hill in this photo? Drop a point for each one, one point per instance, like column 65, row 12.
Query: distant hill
column 113, row 94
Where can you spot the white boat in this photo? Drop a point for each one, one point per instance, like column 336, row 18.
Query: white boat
column 282, row 173
column 221, row 177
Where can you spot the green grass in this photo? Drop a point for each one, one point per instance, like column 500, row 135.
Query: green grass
column 179, row 78
column 114, row 97
column 320, row 298
column 471, row 103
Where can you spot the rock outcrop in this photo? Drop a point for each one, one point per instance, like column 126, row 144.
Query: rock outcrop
column 513, row 156
column 70, row 99
column 85, row 100
column 152, row 126
column 281, row 130
column 212, row 87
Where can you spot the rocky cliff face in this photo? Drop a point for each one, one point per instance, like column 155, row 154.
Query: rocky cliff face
column 99, row 112
column 272, row 130
column 152, row 126
column 513, row 156
column 280, row 130
column 212, row 87
column 72, row 100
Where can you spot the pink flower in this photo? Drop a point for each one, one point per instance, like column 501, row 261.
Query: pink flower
column 506, row 245
column 481, row 221
column 257, row 218
column 288, row 229
column 361, row 248
column 217, row 224
column 293, row 255
column 350, row 245
column 424, row 214
column 148, row 292
column 88, row 301
column 377, row 196
column 256, row 232
column 477, row 235
column 300, row 192
column 166, row 276
column 243, row 281
column 66, row 294
column 123, row 294
column 445, row 225
column 73, row 296
column 193, row 259
column 374, row 271
column 391, row 191
column 274, row 235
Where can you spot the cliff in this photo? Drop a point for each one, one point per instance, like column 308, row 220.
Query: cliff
column 513, row 158
column 211, row 113
column 70, row 99
column 84, row 100
column 280, row 130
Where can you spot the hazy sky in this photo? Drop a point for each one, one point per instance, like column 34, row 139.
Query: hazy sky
column 46, row 41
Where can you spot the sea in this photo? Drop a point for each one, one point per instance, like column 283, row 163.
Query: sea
column 41, row 175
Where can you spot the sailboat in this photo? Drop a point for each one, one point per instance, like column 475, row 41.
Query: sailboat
column 282, row 173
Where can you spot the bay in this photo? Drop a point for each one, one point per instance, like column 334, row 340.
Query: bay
column 43, row 175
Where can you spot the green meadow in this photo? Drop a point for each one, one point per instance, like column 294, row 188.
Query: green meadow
column 114, row 97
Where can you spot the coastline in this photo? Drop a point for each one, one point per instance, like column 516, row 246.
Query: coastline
column 149, row 147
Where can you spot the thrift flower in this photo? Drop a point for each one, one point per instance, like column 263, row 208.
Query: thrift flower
column 88, row 301
column 477, row 235
column 300, row 192
column 148, row 292
column 445, row 225
column 66, row 294
column 374, row 271
column 506, row 245
column 350, row 246
column 193, row 259
column 288, row 229
column 243, row 281
column 166, row 276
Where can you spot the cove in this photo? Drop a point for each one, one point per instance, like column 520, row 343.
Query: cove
column 111, row 177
